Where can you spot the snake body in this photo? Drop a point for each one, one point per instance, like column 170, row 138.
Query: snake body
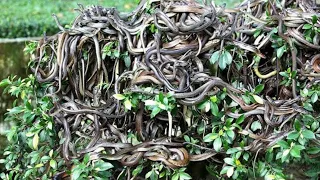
column 103, row 69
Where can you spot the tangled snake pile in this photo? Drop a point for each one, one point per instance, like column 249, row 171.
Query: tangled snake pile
column 166, row 46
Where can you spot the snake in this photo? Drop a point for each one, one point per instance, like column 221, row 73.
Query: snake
column 166, row 48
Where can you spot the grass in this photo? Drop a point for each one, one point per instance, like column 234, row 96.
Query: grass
column 31, row 18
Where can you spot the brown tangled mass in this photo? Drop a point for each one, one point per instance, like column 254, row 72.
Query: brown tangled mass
column 168, row 46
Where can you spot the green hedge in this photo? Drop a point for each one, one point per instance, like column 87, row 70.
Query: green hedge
column 32, row 18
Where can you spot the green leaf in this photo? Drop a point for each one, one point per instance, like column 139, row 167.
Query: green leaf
column 127, row 104
column 35, row 141
column 258, row 99
column 154, row 175
column 200, row 128
column 240, row 119
column 217, row 144
column 293, row 135
column 53, row 164
column 102, row 166
column 175, row 176
column 300, row 147
column 233, row 150
column 256, row 125
column 297, row 125
column 210, row 137
column 202, row 105
column 222, row 64
column 34, row 158
column 162, row 106
column 155, row 111
column 280, row 51
column 16, row 110
column 45, row 158
column 313, row 150
column 225, row 169
column 246, row 156
column 215, row 57
column 258, row 88
column 315, row 125
column 230, row 133
column 29, row 134
column 127, row 61
column 39, row 165
column 230, row 171
column 86, row 158
column 286, row 152
column 214, row 98
column 76, row 172
column 256, row 33
column 284, row 156
column 5, row 82
column 308, row 134
column 314, row 19
column 184, row 176
column 295, row 152
column 186, row 138
column 293, row 74
column 50, row 125
column 314, row 97
column 269, row 156
column 284, row 74
column 214, row 109
column 229, row 161
column 283, row 144
column 137, row 170
column 207, row 106
column 246, row 99
column 116, row 53
column 119, row 96
column 226, row 57
column 150, row 102
column 308, row 106
column 307, row 26
column 7, row 153
column 170, row 94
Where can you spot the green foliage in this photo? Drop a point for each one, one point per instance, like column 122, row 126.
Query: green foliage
column 89, row 169
column 161, row 103
column 288, row 75
column 30, row 152
column 111, row 50
column 158, row 171
column 234, row 167
column 33, row 18
column 310, row 30
column 156, row 104
column 223, row 57
column 179, row 174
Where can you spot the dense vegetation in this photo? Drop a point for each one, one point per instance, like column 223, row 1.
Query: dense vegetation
column 32, row 18
column 169, row 89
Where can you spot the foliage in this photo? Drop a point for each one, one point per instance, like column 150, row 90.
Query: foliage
column 33, row 18
column 32, row 139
